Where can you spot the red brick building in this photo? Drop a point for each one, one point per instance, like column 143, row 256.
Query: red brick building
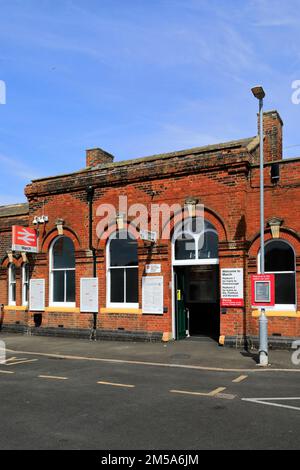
column 170, row 287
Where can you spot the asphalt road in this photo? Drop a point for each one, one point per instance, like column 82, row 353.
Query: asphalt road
column 52, row 402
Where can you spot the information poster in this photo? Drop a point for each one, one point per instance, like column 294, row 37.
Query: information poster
column 232, row 287
column 263, row 290
column 153, row 295
column 37, row 295
column 153, row 268
column 89, row 294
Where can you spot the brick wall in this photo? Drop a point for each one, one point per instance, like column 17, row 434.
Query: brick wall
column 224, row 179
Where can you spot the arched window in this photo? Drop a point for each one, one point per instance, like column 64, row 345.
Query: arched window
column 25, row 284
column 185, row 247
column 280, row 260
column 62, row 272
column 196, row 241
column 122, row 274
column 11, row 284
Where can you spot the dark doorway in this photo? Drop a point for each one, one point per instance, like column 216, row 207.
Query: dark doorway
column 197, row 303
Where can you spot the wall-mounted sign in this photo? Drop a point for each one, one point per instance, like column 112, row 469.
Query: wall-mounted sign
column 153, row 268
column 37, row 295
column 263, row 290
column 89, row 294
column 232, row 287
column 24, row 239
column 148, row 236
column 153, row 295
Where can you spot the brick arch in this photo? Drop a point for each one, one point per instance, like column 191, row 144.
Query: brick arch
column 286, row 234
column 5, row 262
column 17, row 261
column 68, row 232
column 111, row 228
column 209, row 215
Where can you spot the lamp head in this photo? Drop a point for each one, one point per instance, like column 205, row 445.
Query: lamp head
column 258, row 92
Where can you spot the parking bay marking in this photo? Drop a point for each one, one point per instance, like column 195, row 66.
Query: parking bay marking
column 6, row 372
column 240, row 379
column 20, row 362
column 54, row 377
column 213, row 393
column 116, row 384
column 11, row 359
column 266, row 401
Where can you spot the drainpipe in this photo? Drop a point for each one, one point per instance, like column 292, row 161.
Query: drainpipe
column 90, row 196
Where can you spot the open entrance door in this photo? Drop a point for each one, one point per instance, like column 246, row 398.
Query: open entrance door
column 197, row 301
column 179, row 279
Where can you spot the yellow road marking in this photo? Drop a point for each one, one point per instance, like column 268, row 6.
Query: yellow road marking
column 52, row 377
column 6, row 372
column 216, row 391
column 21, row 362
column 213, row 393
column 115, row 384
column 240, row 378
column 183, row 392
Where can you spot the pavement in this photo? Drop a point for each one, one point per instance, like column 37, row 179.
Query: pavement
column 193, row 395
column 204, row 353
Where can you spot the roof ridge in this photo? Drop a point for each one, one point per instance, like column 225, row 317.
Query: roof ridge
column 136, row 160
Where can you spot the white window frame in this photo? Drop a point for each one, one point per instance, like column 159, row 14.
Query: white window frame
column 282, row 307
column 10, row 284
column 110, row 304
column 51, row 276
column 195, row 261
column 24, row 283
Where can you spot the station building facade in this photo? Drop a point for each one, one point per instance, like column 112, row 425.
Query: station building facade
column 180, row 276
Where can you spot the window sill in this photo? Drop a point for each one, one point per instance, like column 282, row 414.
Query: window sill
column 134, row 311
column 63, row 309
column 278, row 313
column 15, row 308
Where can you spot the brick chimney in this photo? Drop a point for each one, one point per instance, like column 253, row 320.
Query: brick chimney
column 96, row 157
column 273, row 136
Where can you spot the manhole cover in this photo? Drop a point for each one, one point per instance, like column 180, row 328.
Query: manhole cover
column 181, row 356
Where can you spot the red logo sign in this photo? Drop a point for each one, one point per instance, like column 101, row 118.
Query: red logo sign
column 24, row 239
column 263, row 290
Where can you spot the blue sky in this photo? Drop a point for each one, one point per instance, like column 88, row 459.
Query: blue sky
column 138, row 77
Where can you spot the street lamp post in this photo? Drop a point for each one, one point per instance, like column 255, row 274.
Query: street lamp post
column 259, row 93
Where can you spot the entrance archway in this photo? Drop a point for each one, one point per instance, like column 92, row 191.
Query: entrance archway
column 195, row 265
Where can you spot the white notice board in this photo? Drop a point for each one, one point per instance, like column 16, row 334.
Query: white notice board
column 232, row 287
column 37, row 295
column 89, row 294
column 153, row 295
